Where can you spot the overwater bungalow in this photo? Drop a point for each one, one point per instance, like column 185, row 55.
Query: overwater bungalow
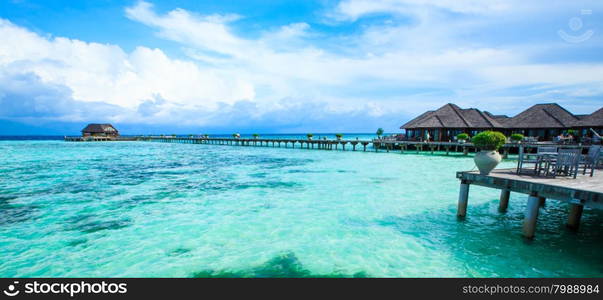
column 543, row 122
column 100, row 130
column 590, row 123
column 449, row 120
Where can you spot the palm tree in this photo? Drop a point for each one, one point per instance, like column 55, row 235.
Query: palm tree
column 379, row 132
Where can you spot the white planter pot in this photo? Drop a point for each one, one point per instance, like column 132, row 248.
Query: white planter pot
column 486, row 161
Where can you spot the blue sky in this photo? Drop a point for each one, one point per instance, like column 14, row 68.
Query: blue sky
column 289, row 66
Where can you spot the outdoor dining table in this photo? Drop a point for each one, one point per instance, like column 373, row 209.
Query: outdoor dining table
column 546, row 158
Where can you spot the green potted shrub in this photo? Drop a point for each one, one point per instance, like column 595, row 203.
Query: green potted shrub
column 379, row 133
column 488, row 142
column 517, row 137
column 309, row 136
column 462, row 137
column 339, row 136
column 256, row 136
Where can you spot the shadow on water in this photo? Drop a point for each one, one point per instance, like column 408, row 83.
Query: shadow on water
column 15, row 213
column 490, row 244
column 87, row 224
column 179, row 251
column 285, row 265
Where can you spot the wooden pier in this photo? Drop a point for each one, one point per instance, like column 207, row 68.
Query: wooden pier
column 578, row 193
column 324, row 144
column 376, row 145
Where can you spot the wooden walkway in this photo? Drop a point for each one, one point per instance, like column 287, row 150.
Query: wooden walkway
column 343, row 145
column 579, row 192
column 354, row 145
column 329, row 144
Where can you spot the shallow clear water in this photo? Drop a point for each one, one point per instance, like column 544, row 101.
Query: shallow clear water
column 180, row 210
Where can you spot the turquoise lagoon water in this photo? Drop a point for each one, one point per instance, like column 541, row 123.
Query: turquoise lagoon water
column 179, row 210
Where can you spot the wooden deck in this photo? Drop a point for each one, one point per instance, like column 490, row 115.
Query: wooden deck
column 578, row 193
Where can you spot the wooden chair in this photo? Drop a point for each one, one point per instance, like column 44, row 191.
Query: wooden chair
column 528, row 158
column 591, row 160
column 566, row 163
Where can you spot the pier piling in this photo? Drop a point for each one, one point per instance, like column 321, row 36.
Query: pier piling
column 504, row 200
column 531, row 216
column 575, row 214
column 463, row 199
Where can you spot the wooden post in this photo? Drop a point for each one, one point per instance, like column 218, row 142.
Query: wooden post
column 573, row 220
column 463, row 199
column 531, row 215
column 504, row 200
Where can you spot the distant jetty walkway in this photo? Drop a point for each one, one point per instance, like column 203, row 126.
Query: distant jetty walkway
column 375, row 145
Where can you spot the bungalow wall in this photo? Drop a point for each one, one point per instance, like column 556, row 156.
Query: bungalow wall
column 440, row 134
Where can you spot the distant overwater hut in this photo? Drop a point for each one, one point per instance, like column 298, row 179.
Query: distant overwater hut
column 543, row 122
column 100, row 132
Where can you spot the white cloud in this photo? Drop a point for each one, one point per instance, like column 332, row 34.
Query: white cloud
column 99, row 72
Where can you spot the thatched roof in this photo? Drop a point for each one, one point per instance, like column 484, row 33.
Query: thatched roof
column 593, row 120
column 549, row 115
column 99, row 128
column 452, row 116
